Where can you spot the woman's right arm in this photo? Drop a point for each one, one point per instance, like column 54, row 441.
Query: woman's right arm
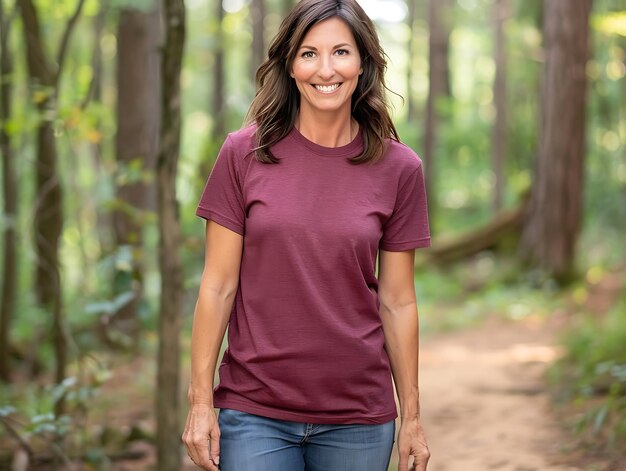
column 218, row 287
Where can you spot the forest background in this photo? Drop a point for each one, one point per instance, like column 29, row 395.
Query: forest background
column 112, row 113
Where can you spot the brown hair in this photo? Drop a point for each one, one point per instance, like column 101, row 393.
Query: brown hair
column 275, row 105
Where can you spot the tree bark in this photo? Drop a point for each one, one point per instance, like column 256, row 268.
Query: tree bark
column 104, row 219
column 257, row 17
column 498, row 149
column 219, row 91
column 438, row 86
column 9, row 190
column 411, row 109
column 95, row 86
column 286, row 6
column 553, row 221
column 48, row 219
column 136, row 148
column 167, row 396
column 439, row 19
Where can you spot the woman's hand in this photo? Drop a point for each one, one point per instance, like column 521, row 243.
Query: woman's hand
column 201, row 430
column 412, row 442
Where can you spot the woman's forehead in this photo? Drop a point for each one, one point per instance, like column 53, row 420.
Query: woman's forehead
column 332, row 31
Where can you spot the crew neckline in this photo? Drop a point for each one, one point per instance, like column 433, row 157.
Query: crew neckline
column 351, row 149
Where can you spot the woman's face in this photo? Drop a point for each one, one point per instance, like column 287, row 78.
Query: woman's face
column 327, row 67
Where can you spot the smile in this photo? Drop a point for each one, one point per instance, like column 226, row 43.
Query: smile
column 327, row 88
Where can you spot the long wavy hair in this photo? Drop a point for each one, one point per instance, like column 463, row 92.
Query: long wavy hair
column 275, row 106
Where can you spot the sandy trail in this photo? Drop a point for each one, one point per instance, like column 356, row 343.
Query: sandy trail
column 484, row 401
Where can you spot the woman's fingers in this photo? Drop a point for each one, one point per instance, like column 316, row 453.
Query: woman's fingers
column 214, row 444
column 201, row 425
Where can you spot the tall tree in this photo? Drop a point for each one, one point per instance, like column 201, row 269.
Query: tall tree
column 410, row 20
column 553, row 221
column 94, row 94
column 438, row 86
column 257, row 17
column 498, row 146
column 219, row 92
column 167, row 395
column 48, row 221
column 136, row 148
column 9, row 193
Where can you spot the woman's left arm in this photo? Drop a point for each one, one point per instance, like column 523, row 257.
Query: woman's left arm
column 398, row 311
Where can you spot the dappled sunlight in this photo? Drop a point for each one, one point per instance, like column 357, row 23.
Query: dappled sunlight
column 484, row 401
column 521, row 298
column 516, row 353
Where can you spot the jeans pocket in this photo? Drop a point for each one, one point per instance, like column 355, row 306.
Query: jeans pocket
column 230, row 417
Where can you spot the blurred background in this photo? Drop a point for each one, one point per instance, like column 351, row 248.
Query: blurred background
column 517, row 108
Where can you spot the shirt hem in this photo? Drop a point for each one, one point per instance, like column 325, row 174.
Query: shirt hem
column 329, row 418
column 220, row 219
column 399, row 246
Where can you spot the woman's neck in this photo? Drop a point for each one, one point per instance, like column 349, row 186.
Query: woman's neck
column 327, row 129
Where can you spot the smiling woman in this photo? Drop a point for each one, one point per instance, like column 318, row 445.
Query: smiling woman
column 299, row 205
column 326, row 71
column 345, row 37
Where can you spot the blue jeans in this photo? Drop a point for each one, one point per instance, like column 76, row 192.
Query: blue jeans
column 251, row 442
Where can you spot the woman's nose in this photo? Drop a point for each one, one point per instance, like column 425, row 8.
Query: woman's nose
column 327, row 69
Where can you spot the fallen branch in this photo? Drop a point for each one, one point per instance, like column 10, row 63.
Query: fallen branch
column 506, row 224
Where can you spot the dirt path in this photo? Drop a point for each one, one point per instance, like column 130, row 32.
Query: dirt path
column 484, row 401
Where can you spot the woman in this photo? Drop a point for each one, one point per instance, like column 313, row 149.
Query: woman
column 298, row 205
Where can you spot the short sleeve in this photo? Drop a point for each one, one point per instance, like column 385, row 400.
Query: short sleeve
column 222, row 198
column 407, row 227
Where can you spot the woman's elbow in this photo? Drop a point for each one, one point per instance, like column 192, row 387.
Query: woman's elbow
column 220, row 287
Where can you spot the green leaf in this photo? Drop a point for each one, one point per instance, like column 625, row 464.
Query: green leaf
column 41, row 418
column 599, row 419
column 109, row 307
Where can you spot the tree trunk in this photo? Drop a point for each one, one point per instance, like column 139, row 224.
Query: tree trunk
column 553, row 221
column 439, row 18
column 411, row 110
column 167, row 396
column 504, row 227
column 48, row 224
column 136, row 148
column 257, row 17
column 9, row 190
column 438, row 86
column 104, row 219
column 219, row 92
column 286, row 6
column 94, row 93
column 498, row 149
column 48, row 219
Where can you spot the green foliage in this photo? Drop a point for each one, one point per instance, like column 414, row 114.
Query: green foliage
column 29, row 412
column 140, row 5
column 98, row 276
column 461, row 295
column 592, row 374
column 110, row 307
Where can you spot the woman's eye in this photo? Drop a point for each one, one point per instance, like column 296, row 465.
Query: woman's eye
column 341, row 52
column 307, row 54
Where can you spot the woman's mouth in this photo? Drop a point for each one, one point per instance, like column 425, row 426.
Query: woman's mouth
column 327, row 88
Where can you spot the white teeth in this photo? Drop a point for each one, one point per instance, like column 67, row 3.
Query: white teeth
column 327, row 88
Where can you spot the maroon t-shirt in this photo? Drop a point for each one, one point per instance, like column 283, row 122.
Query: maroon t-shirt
column 305, row 339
